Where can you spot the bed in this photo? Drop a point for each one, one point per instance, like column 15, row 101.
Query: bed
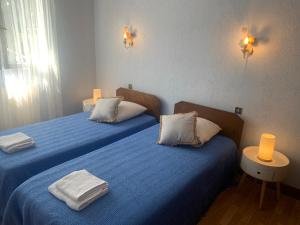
column 65, row 138
column 149, row 183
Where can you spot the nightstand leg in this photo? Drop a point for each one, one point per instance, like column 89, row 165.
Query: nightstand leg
column 262, row 193
column 242, row 180
column 278, row 190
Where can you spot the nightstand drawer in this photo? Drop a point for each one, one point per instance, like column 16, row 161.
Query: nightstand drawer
column 262, row 174
column 256, row 170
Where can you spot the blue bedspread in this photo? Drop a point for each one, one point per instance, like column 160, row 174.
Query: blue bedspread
column 57, row 141
column 149, row 184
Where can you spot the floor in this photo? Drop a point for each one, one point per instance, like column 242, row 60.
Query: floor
column 240, row 207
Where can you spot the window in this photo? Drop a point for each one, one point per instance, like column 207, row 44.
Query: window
column 28, row 52
column 8, row 58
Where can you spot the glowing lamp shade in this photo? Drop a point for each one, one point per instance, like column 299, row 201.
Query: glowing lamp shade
column 247, row 43
column 128, row 37
column 96, row 94
column 266, row 147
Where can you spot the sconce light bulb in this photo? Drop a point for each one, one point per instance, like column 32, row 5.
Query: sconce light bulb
column 246, row 40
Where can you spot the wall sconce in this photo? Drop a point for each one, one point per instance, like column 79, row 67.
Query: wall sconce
column 128, row 37
column 96, row 95
column 266, row 147
column 247, row 43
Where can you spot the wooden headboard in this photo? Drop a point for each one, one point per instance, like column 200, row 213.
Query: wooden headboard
column 231, row 124
column 151, row 102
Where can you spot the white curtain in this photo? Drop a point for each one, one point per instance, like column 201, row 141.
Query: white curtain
column 30, row 88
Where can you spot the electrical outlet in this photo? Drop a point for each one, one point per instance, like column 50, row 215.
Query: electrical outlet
column 129, row 86
column 238, row 110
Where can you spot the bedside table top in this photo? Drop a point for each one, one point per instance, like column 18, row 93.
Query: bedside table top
column 279, row 159
column 88, row 101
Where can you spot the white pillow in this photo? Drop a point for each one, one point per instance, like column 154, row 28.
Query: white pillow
column 206, row 130
column 106, row 110
column 127, row 110
column 178, row 129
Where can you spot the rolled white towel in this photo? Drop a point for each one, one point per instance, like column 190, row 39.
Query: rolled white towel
column 79, row 189
column 15, row 142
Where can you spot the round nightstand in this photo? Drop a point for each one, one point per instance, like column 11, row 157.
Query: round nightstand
column 274, row 171
column 88, row 105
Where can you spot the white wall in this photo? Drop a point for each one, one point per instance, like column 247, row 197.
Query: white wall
column 76, row 48
column 188, row 50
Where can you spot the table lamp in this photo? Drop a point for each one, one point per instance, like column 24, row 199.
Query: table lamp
column 96, row 95
column 266, row 147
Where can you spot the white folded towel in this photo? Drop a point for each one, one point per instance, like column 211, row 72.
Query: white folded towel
column 80, row 185
column 79, row 189
column 76, row 205
column 15, row 142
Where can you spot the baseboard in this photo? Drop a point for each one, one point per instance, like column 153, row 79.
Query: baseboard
column 288, row 190
column 285, row 189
